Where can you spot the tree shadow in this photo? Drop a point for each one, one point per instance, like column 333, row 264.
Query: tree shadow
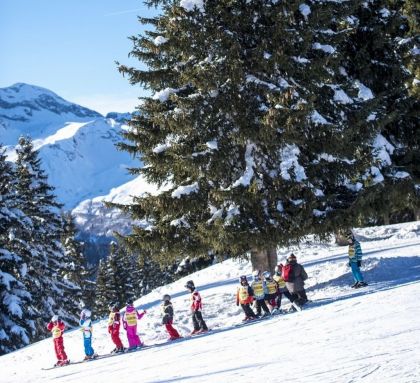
column 382, row 274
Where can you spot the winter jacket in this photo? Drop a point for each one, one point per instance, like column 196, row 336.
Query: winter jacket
column 258, row 288
column 57, row 329
column 86, row 327
column 196, row 304
column 299, row 276
column 355, row 252
column 130, row 316
column 244, row 295
column 114, row 322
column 271, row 287
column 280, row 281
column 167, row 311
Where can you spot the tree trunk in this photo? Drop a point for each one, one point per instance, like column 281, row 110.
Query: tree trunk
column 386, row 219
column 264, row 259
column 417, row 214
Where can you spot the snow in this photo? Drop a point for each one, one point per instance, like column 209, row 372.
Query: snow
column 246, row 178
column 212, row 145
column 366, row 335
column 383, row 149
column 185, row 190
column 190, row 5
column 290, row 157
column 164, row 94
column 364, row 92
column 159, row 40
column 305, row 10
column 340, row 96
column 318, row 119
column 324, row 47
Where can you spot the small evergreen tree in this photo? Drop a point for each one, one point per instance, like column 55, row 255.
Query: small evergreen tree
column 102, row 294
column 50, row 291
column 16, row 311
column 75, row 270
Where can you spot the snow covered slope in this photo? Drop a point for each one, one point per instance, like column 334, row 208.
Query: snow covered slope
column 76, row 145
column 36, row 111
column 368, row 335
column 91, row 215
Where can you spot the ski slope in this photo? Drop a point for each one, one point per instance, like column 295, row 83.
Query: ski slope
column 344, row 335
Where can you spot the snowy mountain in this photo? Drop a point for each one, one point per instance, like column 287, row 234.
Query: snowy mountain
column 366, row 335
column 35, row 111
column 76, row 144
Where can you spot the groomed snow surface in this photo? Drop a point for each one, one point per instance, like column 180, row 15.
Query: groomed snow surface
column 344, row 335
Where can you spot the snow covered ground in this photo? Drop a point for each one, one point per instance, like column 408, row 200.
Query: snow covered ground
column 345, row 335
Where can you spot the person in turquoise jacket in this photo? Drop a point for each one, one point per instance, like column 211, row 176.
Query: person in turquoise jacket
column 86, row 328
column 355, row 261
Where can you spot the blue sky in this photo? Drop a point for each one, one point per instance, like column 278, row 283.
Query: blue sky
column 70, row 47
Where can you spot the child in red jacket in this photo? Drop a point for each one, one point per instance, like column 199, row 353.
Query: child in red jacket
column 56, row 326
column 114, row 323
column 196, row 307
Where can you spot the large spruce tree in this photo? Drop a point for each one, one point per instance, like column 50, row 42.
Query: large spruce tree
column 255, row 127
column 380, row 54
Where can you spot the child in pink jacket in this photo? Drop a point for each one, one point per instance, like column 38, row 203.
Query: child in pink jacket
column 130, row 318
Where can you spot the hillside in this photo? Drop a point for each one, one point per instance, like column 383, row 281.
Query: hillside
column 76, row 145
column 345, row 335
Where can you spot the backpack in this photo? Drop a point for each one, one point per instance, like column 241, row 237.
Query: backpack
column 287, row 273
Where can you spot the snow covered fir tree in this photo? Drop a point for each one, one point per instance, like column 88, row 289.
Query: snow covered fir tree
column 35, row 266
column 267, row 122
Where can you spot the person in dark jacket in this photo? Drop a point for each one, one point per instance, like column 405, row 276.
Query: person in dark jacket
column 295, row 283
column 168, row 317
column 244, row 297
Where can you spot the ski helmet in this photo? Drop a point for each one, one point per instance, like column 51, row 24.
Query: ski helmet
column 166, row 297
column 190, row 285
column 113, row 307
column 129, row 302
column 85, row 313
column 54, row 318
column 291, row 257
column 266, row 274
column 242, row 279
column 278, row 268
column 256, row 273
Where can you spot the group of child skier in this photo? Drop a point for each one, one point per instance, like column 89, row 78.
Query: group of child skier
column 265, row 290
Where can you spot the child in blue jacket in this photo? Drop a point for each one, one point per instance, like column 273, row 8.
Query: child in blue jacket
column 355, row 261
column 86, row 327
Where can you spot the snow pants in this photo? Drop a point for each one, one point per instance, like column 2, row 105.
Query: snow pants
column 59, row 349
column 87, row 343
column 173, row 333
column 280, row 296
column 115, row 336
column 133, row 338
column 357, row 275
column 198, row 321
column 260, row 303
column 299, row 297
column 249, row 313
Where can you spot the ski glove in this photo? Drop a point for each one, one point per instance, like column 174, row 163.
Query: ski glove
column 359, row 263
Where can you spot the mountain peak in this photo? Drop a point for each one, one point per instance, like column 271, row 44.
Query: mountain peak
column 20, row 102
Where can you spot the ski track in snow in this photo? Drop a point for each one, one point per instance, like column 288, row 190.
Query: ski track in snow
column 367, row 335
